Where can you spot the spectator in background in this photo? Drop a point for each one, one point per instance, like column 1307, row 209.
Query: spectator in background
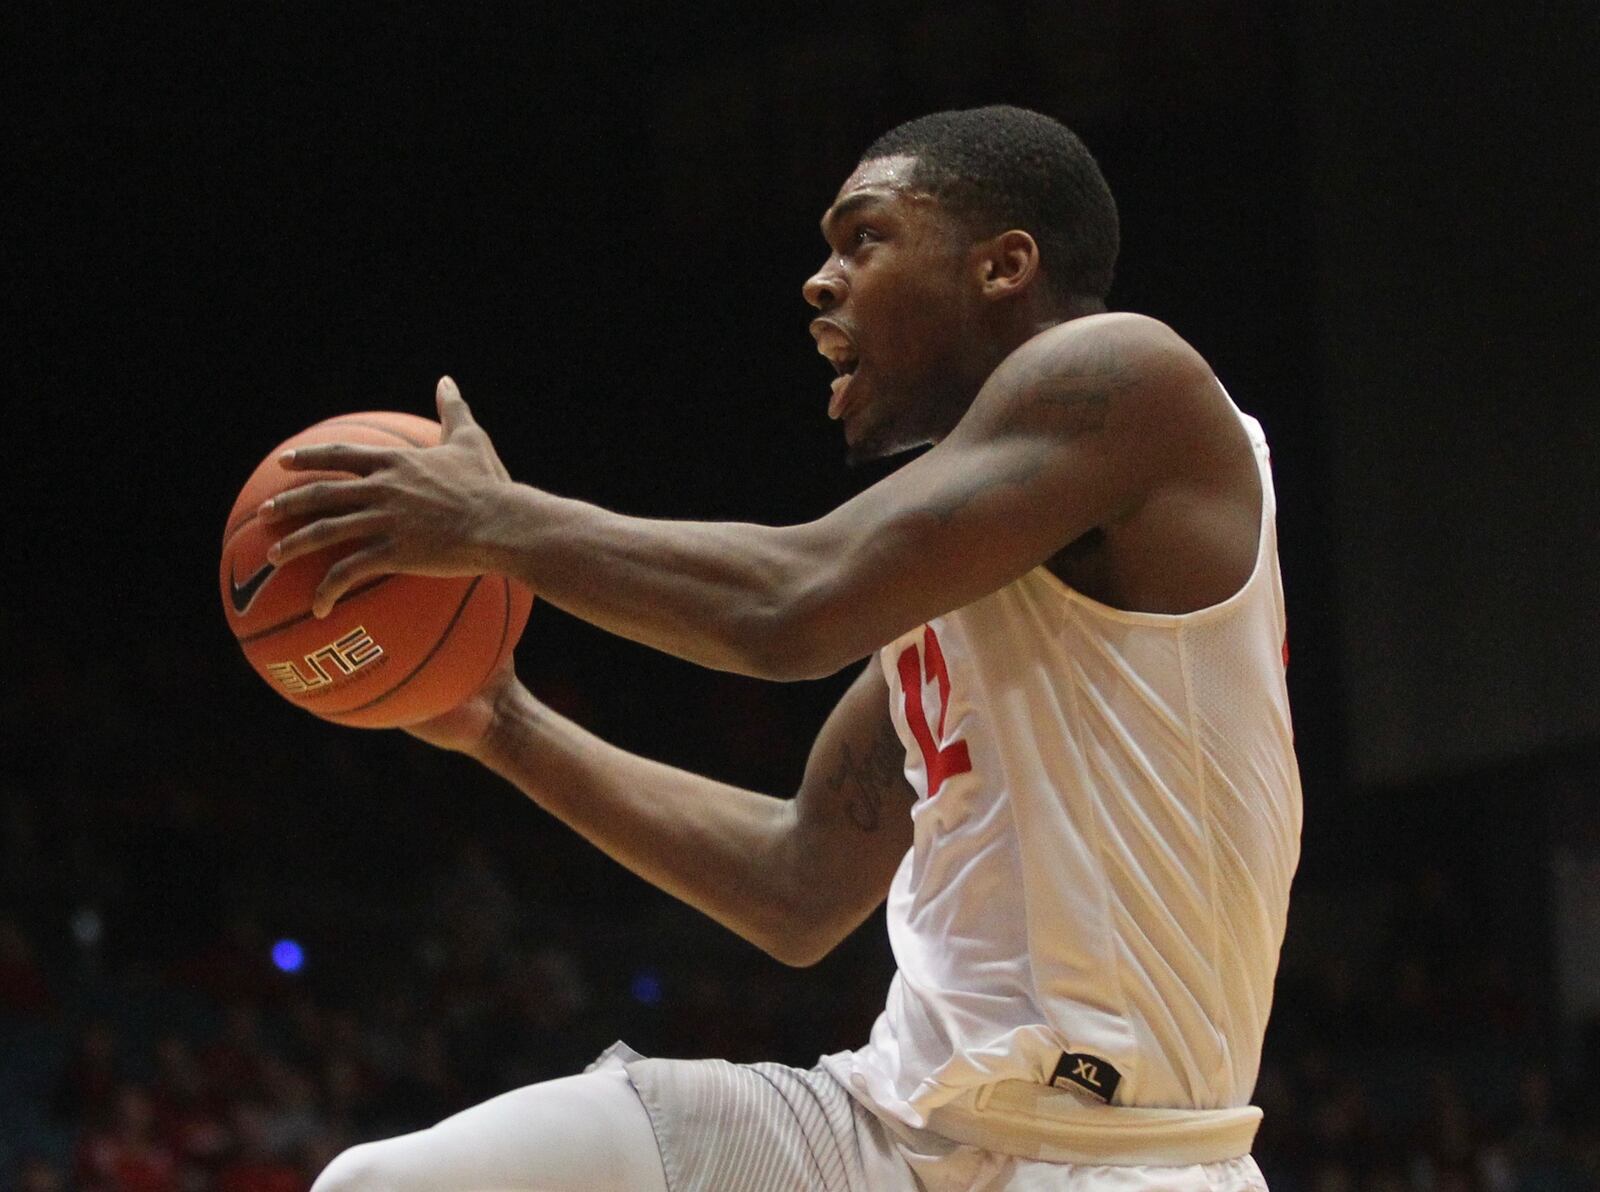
column 423, row 1091
column 36, row 1174
column 289, row 1116
column 321, row 1151
column 234, row 1059
column 128, row 1156
column 475, row 901
column 186, row 1111
column 347, row 1092
column 257, row 1167
column 1447, row 1150
column 1536, row 1152
column 541, row 1017
column 91, row 1077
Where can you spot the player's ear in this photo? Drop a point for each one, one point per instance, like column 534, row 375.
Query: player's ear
column 1007, row 264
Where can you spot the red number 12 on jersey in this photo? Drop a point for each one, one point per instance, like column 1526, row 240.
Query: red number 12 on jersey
column 915, row 670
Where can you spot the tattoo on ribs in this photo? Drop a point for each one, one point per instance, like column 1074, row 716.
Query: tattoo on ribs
column 866, row 780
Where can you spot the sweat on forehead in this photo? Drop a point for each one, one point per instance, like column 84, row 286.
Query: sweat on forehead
column 880, row 180
column 896, row 173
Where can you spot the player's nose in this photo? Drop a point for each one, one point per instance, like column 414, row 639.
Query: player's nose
column 825, row 289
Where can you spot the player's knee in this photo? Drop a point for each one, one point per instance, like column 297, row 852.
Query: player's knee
column 362, row 1168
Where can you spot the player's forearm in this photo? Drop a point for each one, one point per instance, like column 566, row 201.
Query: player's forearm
column 725, row 851
column 719, row 594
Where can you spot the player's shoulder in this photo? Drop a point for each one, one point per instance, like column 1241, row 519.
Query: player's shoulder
column 1143, row 379
column 1142, row 350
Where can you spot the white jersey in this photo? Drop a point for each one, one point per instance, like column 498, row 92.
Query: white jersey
column 1106, row 826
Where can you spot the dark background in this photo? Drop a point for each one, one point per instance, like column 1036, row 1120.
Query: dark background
column 223, row 226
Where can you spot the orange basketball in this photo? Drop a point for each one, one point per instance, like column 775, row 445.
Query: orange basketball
column 397, row 649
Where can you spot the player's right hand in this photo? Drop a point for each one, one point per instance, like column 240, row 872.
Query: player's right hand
column 466, row 728
column 420, row 511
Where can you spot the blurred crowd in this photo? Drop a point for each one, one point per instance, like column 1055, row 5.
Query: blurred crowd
column 222, row 1070
column 222, row 961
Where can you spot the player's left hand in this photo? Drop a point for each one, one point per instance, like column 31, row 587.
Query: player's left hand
column 470, row 727
column 416, row 510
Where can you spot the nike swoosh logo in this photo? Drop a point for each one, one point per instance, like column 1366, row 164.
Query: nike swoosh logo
column 244, row 593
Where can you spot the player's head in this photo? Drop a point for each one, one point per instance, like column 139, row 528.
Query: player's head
column 1001, row 167
column 956, row 233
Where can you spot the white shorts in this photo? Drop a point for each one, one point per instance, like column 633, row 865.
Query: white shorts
column 725, row 1127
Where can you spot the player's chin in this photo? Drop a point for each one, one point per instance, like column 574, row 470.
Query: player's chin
column 873, row 424
column 856, row 455
column 858, row 446
column 867, row 440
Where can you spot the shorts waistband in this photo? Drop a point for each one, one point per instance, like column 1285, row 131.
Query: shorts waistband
column 1033, row 1121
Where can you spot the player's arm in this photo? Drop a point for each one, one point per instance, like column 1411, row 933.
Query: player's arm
column 1073, row 431
column 792, row 876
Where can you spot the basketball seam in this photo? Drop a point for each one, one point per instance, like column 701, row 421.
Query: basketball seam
column 298, row 618
column 377, row 426
column 426, row 658
column 505, row 628
column 228, row 533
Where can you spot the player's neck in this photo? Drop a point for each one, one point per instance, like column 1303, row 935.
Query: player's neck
column 1041, row 316
column 1076, row 307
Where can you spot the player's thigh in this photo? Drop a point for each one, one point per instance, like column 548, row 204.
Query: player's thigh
column 586, row 1133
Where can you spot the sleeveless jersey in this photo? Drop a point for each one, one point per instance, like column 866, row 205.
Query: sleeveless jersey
column 1106, row 826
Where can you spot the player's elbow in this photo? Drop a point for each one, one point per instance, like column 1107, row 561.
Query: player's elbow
column 800, row 948
column 786, row 654
column 779, row 929
column 797, row 925
column 785, row 623
column 804, row 959
column 797, row 635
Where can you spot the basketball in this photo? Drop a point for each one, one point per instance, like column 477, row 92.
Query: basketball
column 397, row 649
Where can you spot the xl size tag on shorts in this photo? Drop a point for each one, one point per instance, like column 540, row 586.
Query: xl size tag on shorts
column 1088, row 1072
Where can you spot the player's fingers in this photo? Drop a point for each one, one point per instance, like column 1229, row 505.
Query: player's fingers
column 316, row 499
column 359, row 458
column 346, row 574
column 454, row 413
column 322, row 533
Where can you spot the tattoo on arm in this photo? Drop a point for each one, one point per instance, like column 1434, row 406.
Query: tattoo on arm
column 1071, row 399
column 866, row 780
column 1057, row 398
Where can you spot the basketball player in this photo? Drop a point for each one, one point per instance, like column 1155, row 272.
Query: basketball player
column 1067, row 763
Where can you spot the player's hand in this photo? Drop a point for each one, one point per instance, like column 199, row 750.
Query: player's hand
column 467, row 727
column 415, row 510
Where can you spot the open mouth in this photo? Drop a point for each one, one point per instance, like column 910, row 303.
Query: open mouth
column 846, row 370
column 842, row 354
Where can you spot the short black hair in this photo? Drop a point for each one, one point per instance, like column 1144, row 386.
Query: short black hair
column 1002, row 167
